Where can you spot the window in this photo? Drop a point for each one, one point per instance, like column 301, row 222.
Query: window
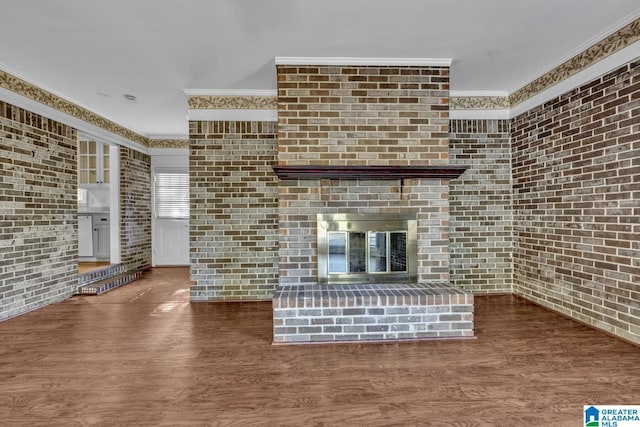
column 171, row 193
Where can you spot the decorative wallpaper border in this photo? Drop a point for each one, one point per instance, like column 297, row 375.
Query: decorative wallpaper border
column 617, row 41
column 479, row 103
column 205, row 102
column 622, row 38
column 26, row 89
column 168, row 143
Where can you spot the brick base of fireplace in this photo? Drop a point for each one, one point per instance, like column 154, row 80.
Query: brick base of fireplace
column 371, row 312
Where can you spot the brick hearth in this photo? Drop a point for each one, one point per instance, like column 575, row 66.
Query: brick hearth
column 371, row 312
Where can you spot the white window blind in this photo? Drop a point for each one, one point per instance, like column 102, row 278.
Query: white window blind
column 172, row 193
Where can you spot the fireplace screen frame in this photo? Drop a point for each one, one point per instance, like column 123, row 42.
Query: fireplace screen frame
column 357, row 223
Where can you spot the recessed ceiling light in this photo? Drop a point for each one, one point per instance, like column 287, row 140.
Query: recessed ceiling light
column 130, row 98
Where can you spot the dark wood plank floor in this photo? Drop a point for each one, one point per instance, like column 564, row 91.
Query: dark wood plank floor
column 142, row 355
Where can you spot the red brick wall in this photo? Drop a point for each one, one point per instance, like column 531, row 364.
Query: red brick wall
column 576, row 177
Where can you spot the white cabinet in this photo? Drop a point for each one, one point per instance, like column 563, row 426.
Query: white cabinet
column 94, row 237
column 93, row 163
column 101, row 244
column 85, row 235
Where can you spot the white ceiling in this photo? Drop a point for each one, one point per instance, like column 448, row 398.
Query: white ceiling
column 154, row 49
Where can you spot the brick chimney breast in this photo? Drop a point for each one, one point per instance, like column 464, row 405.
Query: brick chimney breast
column 362, row 116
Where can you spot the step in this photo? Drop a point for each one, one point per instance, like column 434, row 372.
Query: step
column 102, row 286
column 97, row 275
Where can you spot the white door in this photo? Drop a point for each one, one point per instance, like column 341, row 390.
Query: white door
column 172, row 242
column 171, row 216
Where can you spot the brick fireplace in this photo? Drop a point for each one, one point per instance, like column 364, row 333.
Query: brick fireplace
column 365, row 141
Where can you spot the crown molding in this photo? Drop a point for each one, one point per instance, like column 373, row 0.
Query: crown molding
column 618, row 41
column 478, row 93
column 477, row 105
column 480, row 114
column 169, row 143
column 231, row 92
column 85, row 129
column 169, row 151
column 601, row 37
column 604, row 66
column 22, row 92
column 233, row 102
column 355, row 61
column 172, row 137
column 240, row 115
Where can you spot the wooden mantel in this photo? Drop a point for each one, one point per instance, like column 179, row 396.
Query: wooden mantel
column 367, row 172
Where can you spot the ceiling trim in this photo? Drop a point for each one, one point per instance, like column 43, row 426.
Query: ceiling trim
column 467, row 105
column 479, row 93
column 604, row 66
column 607, row 54
column 85, row 129
column 619, row 40
column 230, row 92
column 168, row 143
column 67, row 110
column 347, row 61
column 168, row 136
column 169, row 151
column 504, row 114
column 242, row 115
column 607, row 36
column 462, row 102
column 233, row 102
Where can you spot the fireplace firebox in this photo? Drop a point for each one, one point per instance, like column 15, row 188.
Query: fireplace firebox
column 355, row 248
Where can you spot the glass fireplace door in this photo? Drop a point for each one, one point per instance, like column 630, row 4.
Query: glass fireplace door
column 361, row 249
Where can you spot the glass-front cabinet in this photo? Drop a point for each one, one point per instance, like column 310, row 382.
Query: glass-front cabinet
column 93, row 163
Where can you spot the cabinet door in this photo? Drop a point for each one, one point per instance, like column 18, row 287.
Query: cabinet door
column 85, row 236
column 86, row 162
column 101, row 234
column 104, row 164
column 93, row 162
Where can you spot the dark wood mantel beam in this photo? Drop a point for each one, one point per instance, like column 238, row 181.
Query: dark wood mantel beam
column 367, row 172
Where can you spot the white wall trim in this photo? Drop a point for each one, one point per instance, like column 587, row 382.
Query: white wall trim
column 173, row 152
column 115, row 256
column 479, row 114
column 234, row 115
column 163, row 137
column 89, row 130
column 230, row 92
column 302, row 60
column 478, row 93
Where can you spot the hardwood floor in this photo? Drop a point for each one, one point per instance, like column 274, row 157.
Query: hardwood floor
column 87, row 266
column 143, row 355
